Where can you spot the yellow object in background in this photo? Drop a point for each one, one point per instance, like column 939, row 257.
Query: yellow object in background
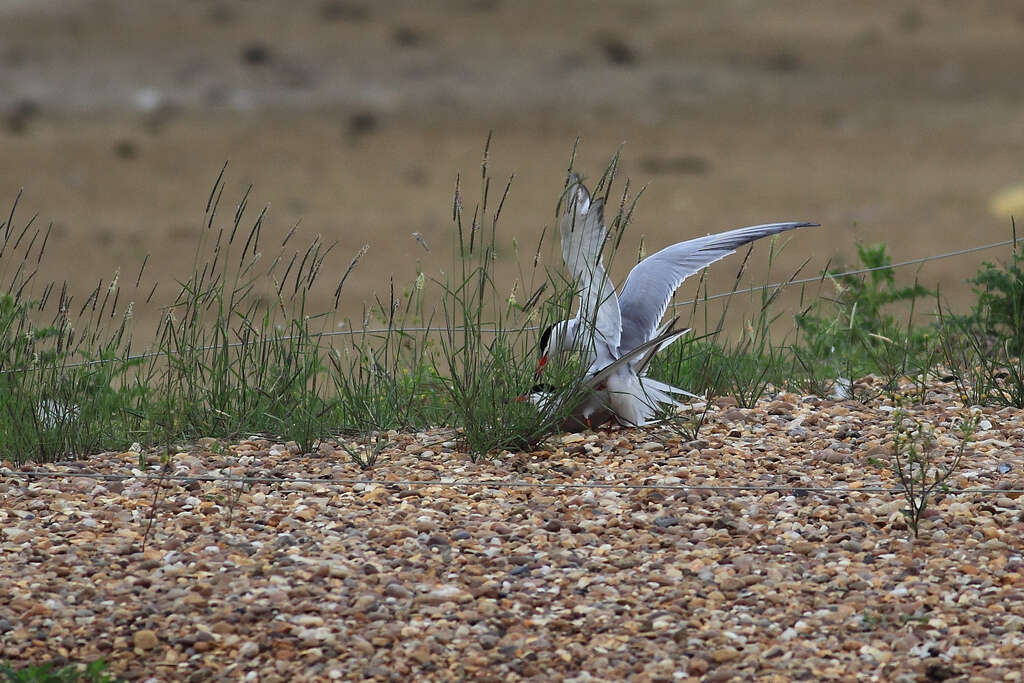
column 1008, row 202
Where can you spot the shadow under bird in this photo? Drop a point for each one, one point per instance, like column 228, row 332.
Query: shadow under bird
column 619, row 333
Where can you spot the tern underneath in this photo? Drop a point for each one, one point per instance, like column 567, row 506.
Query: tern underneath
column 618, row 334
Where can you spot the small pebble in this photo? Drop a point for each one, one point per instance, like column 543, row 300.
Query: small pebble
column 145, row 639
column 248, row 650
column 399, row 591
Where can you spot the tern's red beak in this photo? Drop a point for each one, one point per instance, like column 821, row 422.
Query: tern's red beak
column 540, row 367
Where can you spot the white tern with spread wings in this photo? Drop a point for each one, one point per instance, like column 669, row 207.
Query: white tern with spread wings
column 610, row 328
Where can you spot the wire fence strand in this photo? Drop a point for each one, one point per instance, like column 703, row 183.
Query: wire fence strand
column 283, row 482
column 494, row 330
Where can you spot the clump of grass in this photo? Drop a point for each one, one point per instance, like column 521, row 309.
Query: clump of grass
column 983, row 349
column 984, row 373
column 384, row 380
column 228, row 360
column 489, row 338
column 51, row 406
column 689, row 423
column 367, row 455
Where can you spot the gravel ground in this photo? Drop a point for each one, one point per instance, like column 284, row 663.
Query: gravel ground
column 571, row 577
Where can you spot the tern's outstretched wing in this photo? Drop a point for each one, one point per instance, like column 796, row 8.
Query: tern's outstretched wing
column 651, row 284
column 582, row 231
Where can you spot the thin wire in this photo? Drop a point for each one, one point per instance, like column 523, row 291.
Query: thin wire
column 492, row 330
column 480, row 483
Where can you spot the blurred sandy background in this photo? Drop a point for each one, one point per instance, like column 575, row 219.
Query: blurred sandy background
column 884, row 121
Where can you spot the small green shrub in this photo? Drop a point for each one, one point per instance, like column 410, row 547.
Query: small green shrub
column 854, row 332
column 50, row 673
column 916, row 465
column 999, row 309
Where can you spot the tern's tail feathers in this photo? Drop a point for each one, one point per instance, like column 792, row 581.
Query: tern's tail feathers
column 638, row 400
column 655, row 385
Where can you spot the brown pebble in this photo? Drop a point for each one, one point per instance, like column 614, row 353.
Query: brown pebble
column 724, row 654
column 804, row 547
column 737, row 415
column 145, row 639
column 699, row 665
column 395, row 590
column 361, row 644
column 223, row 628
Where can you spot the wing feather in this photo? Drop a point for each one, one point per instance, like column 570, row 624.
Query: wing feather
column 651, row 284
column 582, row 231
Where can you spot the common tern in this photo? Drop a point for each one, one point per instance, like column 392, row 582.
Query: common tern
column 618, row 334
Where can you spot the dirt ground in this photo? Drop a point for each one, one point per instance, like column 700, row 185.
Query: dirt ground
column 884, row 121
